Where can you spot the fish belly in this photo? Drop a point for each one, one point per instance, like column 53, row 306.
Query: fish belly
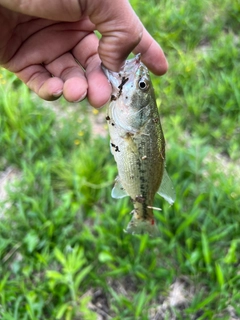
column 140, row 162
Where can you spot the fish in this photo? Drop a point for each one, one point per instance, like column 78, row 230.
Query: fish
column 137, row 144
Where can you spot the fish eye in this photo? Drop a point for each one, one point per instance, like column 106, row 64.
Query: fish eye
column 143, row 84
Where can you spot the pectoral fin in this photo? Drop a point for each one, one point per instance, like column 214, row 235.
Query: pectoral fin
column 118, row 191
column 166, row 189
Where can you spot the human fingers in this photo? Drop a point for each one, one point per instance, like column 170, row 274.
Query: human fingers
column 75, row 84
column 40, row 61
column 46, row 44
column 39, row 80
column 71, row 73
column 99, row 89
column 86, row 52
column 50, row 80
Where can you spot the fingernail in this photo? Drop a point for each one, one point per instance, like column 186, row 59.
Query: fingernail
column 57, row 93
column 82, row 97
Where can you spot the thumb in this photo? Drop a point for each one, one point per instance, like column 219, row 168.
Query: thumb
column 122, row 32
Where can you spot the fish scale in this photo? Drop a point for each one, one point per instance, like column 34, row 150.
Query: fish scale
column 137, row 144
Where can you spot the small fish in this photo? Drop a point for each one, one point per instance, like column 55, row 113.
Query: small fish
column 137, row 144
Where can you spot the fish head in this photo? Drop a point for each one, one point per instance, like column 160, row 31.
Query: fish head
column 132, row 94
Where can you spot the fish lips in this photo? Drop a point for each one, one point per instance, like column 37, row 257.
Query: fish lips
column 126, row 73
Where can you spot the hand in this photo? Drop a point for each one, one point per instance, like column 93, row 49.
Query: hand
column 51, row 45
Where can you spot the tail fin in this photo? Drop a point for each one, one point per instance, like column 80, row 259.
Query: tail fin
column 139, row 226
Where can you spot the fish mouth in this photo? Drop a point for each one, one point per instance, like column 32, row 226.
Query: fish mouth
column 131, row 65
column 127, row 72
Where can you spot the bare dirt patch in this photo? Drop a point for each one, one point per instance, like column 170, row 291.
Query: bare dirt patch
column 7, row 179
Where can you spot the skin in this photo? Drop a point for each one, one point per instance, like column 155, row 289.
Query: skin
column 51, row 45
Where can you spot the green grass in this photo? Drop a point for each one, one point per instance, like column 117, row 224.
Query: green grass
column 62, row 239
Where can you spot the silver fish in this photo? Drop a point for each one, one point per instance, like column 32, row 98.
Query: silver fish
column 137, row 144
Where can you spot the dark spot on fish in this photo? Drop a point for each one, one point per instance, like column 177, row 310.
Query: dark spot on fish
column 113, row 124
column 140, row 199
column 155, row 120
column 116, row 147
column 129, row 134
column 113, row 97
column 124, row 80
column 108, row 118
column 120, row 87
column 126, row 97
